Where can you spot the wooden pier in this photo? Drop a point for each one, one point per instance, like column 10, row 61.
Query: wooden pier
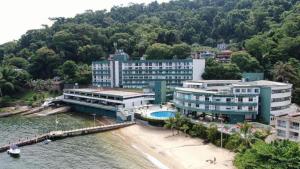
column 55, row 135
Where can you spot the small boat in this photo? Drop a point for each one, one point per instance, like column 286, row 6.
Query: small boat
column 47, row 141
column 14, row 151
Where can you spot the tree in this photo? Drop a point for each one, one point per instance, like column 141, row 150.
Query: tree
column 170, row 124
column 185, row 128
column 198, row 130
column 18, row 62
column 159, row 51
column 245, row 62
column 246, row 134
column 278, row 154
column 12, row 80
column 90, row 53
column 44, row 63
column 212, row 134
column 285, row 72
column 69, row 71
column 215, row 70
column 181, row 51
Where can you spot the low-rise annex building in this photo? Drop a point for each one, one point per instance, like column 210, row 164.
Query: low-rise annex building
column 235, row 100
column 288, row 127
column 108, row 102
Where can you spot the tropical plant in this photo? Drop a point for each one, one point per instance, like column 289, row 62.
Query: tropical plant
column 246, row 134
column 198, row 130
column 213, row 134
column 170, row 124
column 285, row 72
column 185, row 128
column 278, row 154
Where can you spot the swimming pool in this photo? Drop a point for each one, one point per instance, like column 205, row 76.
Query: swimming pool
column 162, row 114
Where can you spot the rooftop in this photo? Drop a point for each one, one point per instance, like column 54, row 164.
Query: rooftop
column 240, row 83
column 111, row 92
column 294, row 116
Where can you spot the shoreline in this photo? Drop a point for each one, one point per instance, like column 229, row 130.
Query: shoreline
column 166, row 151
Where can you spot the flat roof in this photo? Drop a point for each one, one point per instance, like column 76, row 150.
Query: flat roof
column 195, row 90
column 239, row 82
column 292, row 116
column 111, row 92
column 263, row 83
column 212, row 81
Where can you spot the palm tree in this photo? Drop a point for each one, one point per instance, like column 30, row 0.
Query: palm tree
column 246, row 134
column 284, row 72
column 185, row 128
column 170, row 124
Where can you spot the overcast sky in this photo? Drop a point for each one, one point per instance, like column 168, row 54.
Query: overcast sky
column 18, row 16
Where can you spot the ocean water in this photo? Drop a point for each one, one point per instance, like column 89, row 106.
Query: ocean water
column 98, row 151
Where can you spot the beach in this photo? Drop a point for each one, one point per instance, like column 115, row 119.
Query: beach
column 175, row 152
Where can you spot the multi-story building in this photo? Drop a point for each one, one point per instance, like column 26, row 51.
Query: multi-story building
column 288, row 127
column 224, row 56
column 125, row 73
column 236, row 100
column 203, row 54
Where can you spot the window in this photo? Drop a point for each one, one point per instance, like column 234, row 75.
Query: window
column 240, row 99
column 239, row 107
column 243, row 90
column 250, row 99
column 197, row 105
column 197, row 97
column 256, row 90
column 206, row 98
column 228, row 99
column 206, row 107
column 250, row 108
column 249, row 90
column 237, row 90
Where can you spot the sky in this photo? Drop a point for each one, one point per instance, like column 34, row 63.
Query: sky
column 18, row 16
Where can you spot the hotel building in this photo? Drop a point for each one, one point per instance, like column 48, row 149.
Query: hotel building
column 234, row 99
column 119, row 71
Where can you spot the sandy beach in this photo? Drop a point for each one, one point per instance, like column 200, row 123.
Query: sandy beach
column 175, row 152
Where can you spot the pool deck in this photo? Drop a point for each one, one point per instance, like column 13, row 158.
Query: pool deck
column 146, row 111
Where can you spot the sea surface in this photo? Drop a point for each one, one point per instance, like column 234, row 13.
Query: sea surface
column 98, row 151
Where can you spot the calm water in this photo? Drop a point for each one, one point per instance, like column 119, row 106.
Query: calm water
column 103, row 150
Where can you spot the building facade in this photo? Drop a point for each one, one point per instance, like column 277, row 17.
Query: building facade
column 125, row 73
column 203, row 54
column 288, row 127
column 235, row 100
column 224, row 56
column 113, row 103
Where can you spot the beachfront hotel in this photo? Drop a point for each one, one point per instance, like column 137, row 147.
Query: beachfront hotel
column 120, row 71
column 236, row 100
column 288, row 127
column 109, row 102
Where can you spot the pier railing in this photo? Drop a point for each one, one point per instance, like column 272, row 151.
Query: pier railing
column 55, row 135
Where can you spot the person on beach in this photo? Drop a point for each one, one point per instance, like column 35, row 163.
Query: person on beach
column 215, row 160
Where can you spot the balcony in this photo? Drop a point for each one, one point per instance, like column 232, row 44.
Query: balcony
column 293, row 137
column 294, row 127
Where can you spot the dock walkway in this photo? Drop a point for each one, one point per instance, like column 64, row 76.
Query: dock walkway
column 55, row 135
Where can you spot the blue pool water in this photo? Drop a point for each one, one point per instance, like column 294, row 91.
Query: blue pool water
column 163, row 114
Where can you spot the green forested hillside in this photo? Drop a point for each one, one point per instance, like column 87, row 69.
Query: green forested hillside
column 269, row 30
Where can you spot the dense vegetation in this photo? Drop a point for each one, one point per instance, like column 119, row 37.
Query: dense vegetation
column 267, row 29
column 252, row 151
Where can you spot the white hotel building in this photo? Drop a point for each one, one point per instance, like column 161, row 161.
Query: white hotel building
column 119, row 71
